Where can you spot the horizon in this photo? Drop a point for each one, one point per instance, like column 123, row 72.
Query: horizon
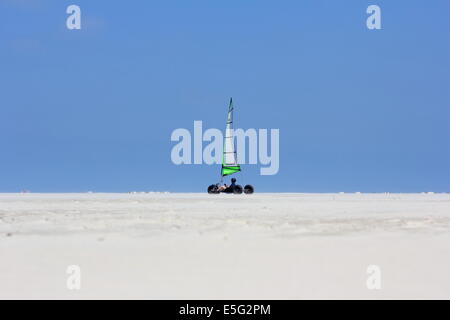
column 231, row 195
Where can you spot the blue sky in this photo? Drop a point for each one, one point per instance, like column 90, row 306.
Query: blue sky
column 93, row 109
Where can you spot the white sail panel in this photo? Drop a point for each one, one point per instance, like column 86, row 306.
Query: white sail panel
column 229, row 154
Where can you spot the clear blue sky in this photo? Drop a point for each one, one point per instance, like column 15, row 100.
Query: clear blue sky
column 93, row 109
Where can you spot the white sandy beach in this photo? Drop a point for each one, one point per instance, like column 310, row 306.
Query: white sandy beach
column 199, row 246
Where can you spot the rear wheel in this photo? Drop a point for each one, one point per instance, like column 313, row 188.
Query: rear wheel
column 213, row 189
column 248, row 189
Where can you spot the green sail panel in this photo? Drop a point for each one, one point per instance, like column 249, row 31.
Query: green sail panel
column 230, row 170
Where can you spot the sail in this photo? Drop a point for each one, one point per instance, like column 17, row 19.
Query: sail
column 229, row 161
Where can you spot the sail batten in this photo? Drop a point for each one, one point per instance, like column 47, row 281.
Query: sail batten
column 229, row 159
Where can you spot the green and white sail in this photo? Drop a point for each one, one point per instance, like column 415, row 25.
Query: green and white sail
column 229, row 159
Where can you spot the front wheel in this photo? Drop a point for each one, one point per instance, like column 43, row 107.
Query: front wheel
column 237, row 189
column 248, row 189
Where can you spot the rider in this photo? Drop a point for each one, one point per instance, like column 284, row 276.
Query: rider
column 228, row 188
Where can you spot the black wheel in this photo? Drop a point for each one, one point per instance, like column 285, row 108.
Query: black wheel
column 213, row 189
column 237, row 189
column 248, row 189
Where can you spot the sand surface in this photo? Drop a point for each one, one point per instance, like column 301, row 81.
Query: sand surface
column 199, row 246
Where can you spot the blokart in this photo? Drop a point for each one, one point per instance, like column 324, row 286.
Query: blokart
column 229, row 162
